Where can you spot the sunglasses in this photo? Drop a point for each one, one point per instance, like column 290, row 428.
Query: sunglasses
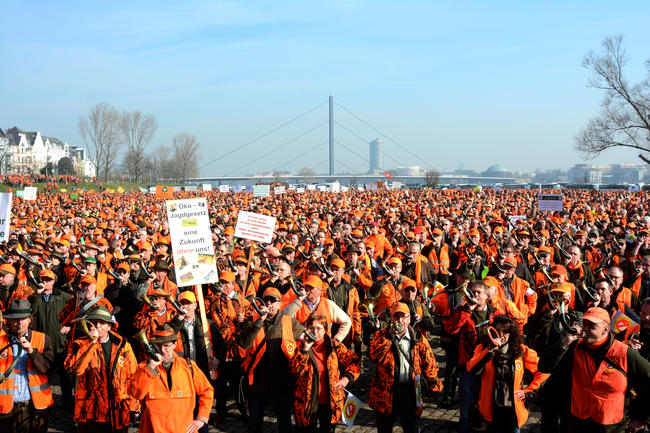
column 410, row 289
column 270, row 299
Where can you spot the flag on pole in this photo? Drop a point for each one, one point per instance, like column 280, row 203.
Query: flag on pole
column 387, row 174
column 350, row 409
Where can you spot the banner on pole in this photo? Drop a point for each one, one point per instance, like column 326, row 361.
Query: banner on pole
column 5, row 215
column 192, row 248
column 255, row 226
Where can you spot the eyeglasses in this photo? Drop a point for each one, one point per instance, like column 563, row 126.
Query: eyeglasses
column 121, row 271
column 270, row 299
column 410, row 289
column 316, row 328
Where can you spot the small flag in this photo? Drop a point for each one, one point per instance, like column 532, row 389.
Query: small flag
column 350, row 409
column 387, row 174
column 74, row 196
column 620, row 322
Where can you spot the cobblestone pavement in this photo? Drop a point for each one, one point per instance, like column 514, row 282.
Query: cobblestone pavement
column 434, row 418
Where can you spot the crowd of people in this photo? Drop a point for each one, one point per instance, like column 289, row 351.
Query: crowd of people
column 527, row 306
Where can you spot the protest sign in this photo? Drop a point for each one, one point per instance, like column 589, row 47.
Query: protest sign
column 30, row 193
column 5, row 215
column 261, row 190
column 550, row 202
column 193, row 251
column 254, row 226
column 279, row 190
column 206, row 187
column 224, row 188
column 163, row 191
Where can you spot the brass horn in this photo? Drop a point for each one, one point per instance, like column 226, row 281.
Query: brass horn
column 150, row 349
column 83, row 324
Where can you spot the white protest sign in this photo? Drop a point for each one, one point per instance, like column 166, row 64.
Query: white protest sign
column 206, row 187
column 193, row 252
column 396, row 185
column 335, row 187
column 311, row 187
column 550, row 202
column 371, row 186
column 300, row 190
column 261, row 190
column 224, row 188
column 513, row 220
column 30, row 193
column 279, row 190
column 254, row 226
column 5, row 215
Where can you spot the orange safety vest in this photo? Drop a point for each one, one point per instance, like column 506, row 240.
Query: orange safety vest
column 256, row 352
column 624, row 298
column 39, row 387
column 440, row 264
column 322, row 308
column 636, row 287
column 599, row 390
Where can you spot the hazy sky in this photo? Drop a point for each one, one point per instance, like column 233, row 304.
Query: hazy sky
column 471, row 83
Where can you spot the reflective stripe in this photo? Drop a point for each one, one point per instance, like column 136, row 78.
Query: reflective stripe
column 5, row 391
column 38, row 388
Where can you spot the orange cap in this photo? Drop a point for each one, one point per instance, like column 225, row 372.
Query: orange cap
column 272, row 291
column 124, row 266
column 394, row 261
column 7, row 269
column 187, row 295
column 88, row 279
column 596, row 315
column 313, row 281
column 47, row 273
column 226, row 277
column 337, row 263
column 399, row 307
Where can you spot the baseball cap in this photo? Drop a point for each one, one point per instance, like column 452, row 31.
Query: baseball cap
column 187, row 295
column 596, row 315
column 399, row 307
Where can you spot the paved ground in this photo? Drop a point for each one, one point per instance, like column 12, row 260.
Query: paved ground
column 434, row 418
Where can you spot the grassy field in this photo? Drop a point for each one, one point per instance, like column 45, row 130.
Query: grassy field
column 89, row 186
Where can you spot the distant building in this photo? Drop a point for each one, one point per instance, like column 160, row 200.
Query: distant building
column 497, row 170
column 29, row 152
column 408, row 171
column 376, row 156
column 607, row 174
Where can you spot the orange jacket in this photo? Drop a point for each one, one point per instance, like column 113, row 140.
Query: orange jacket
column 381, row 352
column 171, row 410
column 486, row 396
column 93, row 399
column 340, row 362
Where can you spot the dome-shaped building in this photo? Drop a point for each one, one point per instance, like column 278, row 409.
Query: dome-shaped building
column 497, row 170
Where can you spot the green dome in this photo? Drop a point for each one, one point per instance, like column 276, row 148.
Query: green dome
column 497, row 168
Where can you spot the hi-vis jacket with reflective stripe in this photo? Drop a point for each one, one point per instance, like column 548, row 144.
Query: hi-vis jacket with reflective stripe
column 37, row 369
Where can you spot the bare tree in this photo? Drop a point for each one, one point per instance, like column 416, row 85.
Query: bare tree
column 431, row 178
column 137, row 131
column 624, row 120
column 100, row 132
column 5, row 159
column 186, row 158
column 308, row 173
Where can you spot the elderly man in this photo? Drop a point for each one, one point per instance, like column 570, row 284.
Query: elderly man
column 168, row 388
column 602, row 371
column 25, row 363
